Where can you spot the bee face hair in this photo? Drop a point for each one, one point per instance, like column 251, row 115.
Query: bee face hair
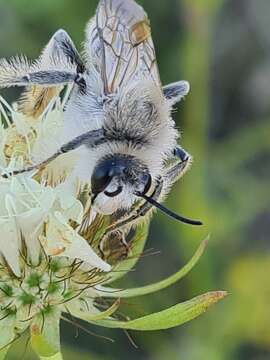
column 116, row 178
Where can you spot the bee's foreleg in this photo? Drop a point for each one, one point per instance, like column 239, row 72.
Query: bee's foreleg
column 43, row 78
column 181, row 154
column 59, row 64
column 90, row 139
column 177, row 170
column 138, row 213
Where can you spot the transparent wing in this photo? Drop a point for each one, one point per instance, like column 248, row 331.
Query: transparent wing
column 122, row 44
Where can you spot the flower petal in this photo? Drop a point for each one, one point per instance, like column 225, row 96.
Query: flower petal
column 72, row 208
column 9, row 244
column 22, row 125
column 45, row 336
column 62, row 240
column 30, row 224
column 3, row 137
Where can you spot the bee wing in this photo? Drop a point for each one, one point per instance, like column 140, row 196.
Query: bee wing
column 122, row 44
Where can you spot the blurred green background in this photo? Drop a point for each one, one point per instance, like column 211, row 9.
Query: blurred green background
column 223, row 48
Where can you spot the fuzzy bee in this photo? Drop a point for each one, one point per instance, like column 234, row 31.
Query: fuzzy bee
column 118, row 116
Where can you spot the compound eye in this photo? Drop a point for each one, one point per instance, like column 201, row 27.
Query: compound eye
column 101, row 178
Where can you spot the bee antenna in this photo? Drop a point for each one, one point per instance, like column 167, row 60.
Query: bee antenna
column 169, row 212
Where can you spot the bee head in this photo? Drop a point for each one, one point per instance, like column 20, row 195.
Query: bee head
column 115, row 180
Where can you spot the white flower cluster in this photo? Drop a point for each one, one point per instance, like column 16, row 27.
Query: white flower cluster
column 33, row 214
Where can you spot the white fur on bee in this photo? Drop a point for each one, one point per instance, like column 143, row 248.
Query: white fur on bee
column 125, row 112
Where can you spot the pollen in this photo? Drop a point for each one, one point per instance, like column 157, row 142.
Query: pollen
column 56, row 251
column 140, row 32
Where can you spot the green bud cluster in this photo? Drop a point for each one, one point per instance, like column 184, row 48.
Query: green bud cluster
column 41, row 290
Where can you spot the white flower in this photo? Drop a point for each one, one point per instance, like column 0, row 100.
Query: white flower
column 62, row 240
column 26, row 208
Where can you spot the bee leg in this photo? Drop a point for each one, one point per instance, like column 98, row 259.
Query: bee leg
column 43, row 78
column 90, row 139
column 138, row 213
column 59, row 64
column 16, row 73
column 115, row 239
column 101, row 248
column 181, row 154
column 177, row 170
column 61, row 49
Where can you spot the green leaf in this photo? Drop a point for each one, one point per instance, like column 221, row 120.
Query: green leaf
column 57, row 356
column 149, row 289
column 3, row 353
column 45, row 335
column 169, row 318
column 138, row 243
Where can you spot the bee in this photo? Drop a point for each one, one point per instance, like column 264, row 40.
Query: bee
column 118, row 116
